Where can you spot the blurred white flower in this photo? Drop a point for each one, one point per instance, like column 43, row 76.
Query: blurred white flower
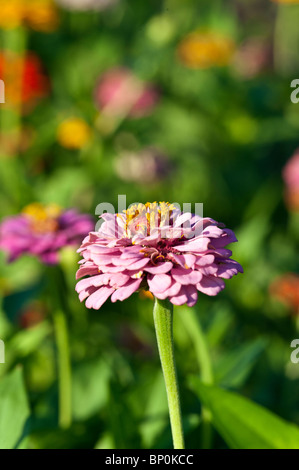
column 147, row 166
column 81, row 5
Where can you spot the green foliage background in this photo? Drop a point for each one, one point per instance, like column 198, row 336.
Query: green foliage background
column 227, row 138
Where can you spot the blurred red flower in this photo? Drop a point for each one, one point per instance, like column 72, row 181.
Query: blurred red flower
column 25, row 81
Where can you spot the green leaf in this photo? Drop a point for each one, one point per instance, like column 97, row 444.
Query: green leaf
column 244, row 424
column 14, row 409
column 234, row 367
column 90, row 388
column 155, row 413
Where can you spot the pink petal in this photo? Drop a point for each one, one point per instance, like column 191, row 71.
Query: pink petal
column 161, row 268
column 159, row 282
column 100, row 296
column 198, row 245
column 205, row 260
column 210, row 285
column 186, row 276
column 171, row 291
column 124, row 292
column 186, row 261
column 139, row 264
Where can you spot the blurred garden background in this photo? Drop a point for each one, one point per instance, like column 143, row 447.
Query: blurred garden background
column 180, row 101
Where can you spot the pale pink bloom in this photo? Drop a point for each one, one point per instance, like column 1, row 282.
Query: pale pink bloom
column 146, row 248
column 120, row 93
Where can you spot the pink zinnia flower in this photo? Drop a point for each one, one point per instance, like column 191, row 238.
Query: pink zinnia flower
column 147, row 246
column 42, row 231
column 120, row 93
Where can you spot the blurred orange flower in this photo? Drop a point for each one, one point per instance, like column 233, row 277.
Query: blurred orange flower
column 286, row 1
column 32, row 315
column 200, row 50
column 24, row 79
column 40, row 15
column 286, row 289
column 73, row 133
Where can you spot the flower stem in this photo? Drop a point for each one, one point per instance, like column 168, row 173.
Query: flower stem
column 163, row 318
column 64, row 369
column 59, row 306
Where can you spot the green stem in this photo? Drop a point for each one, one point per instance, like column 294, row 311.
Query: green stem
column 64, row 369
column 59, row 306
column 163, row 318
column 196, row 333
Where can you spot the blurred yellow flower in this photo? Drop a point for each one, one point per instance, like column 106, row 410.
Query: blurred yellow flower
column 12, row 13
column 205, row 49
column 73, row 133
column 40, row 15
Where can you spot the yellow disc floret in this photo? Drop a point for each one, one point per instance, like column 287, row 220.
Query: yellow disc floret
column 43, row 219
column 142, row 218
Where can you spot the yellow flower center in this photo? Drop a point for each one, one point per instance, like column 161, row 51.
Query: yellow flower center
column 42, row 218
column 141, row 218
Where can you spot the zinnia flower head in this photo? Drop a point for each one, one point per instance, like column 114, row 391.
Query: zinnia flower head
column 290, row 175
column 73, row 133
column 81, row 5
column 25, row 81
column 42, row 231
column 200, row 50
column 155, row 246
column 120, row 93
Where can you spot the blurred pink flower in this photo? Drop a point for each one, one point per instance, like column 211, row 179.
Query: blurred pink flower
column 290, row 175
column 42, row 231
column 291, row 170
column 147, row 246
column 120, row 93
column 253, row 57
